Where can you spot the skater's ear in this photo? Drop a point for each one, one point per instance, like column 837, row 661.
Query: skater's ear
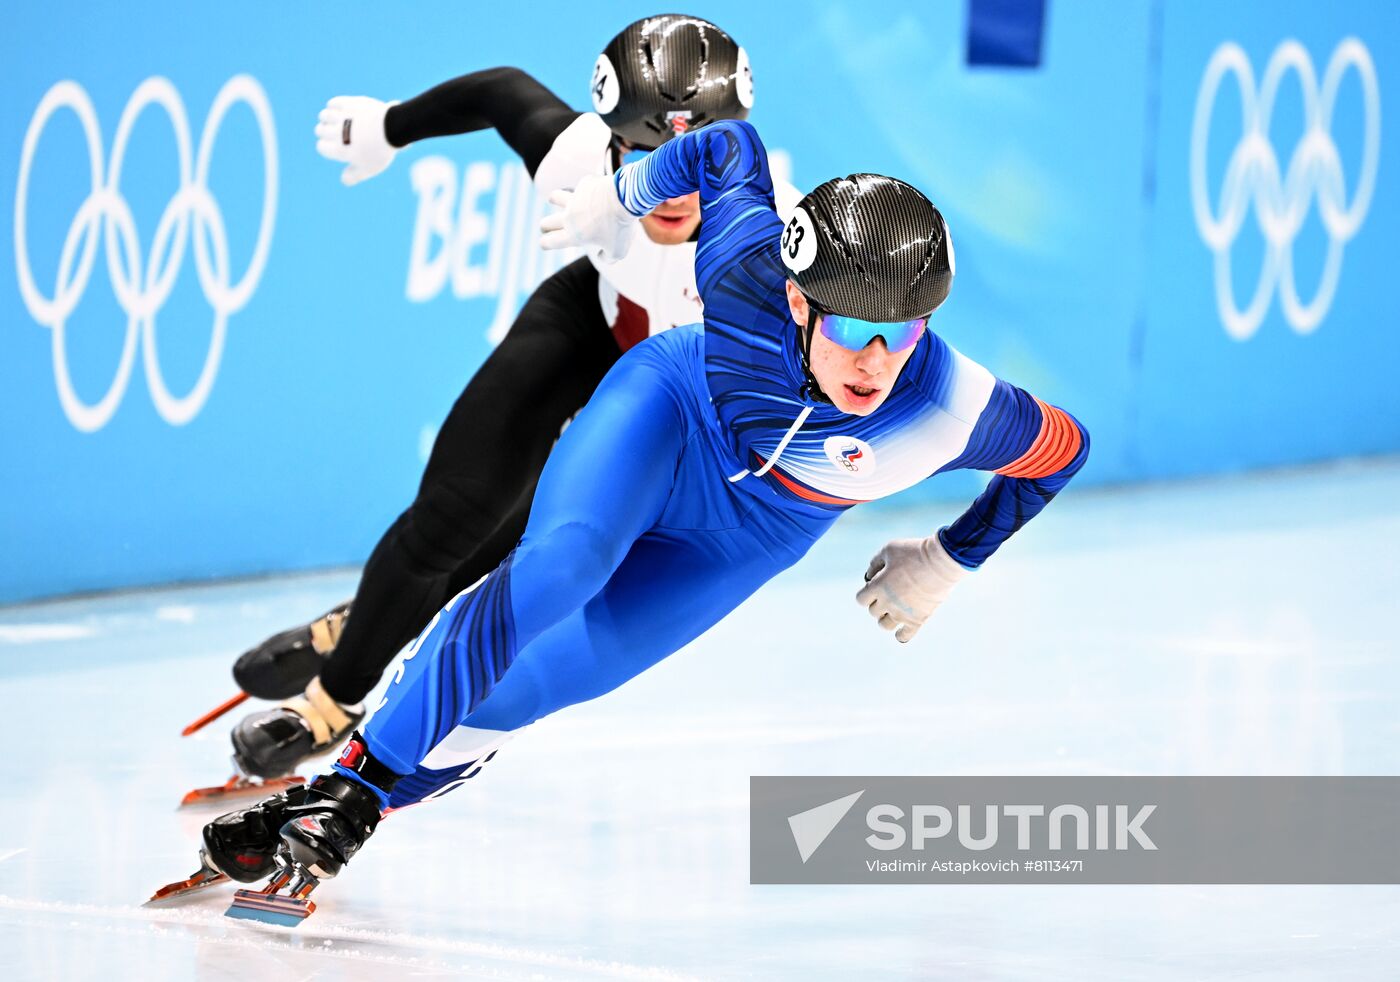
column 797, row 304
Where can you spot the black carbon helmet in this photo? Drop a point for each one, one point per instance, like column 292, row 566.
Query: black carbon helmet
column 869, row 247
column 667, row 74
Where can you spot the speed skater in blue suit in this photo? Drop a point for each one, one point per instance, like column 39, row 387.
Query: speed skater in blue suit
column 710, row 459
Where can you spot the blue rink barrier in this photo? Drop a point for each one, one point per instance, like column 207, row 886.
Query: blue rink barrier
column 1173, row 219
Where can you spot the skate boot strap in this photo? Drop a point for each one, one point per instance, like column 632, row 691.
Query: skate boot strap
column 328, row 719
column 356, row 757
column 326, row 629
column 356, row 799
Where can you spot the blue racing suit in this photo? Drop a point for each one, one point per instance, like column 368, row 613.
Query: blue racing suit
column 695, row 474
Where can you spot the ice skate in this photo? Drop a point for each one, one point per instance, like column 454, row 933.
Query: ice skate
column 241, row 845
column 240, row 785
column 271, row 744
column 268, row 746
column 286, row 663
column 205, row 876
column 281, row 665
column 214, row 714
column 321, row 835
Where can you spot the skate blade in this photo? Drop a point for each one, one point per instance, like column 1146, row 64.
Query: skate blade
column 214, row 714
column 270, row 908
column 205, row 877
column 239, row 786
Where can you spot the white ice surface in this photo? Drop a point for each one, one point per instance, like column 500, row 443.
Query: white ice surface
column 1245, row 626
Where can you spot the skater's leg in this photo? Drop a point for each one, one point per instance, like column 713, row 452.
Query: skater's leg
column 606, row 483
column 469, row 513
column 672, row 587
column 480, row 477
column 486, row 558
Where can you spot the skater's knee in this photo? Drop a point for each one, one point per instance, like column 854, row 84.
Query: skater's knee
column 573, row 553
column 516, row 701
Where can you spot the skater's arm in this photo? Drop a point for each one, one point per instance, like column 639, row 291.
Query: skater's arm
column 1034, row 449
column 527, row 115
column 727, row 163
column 725, row 160
column 366, row 133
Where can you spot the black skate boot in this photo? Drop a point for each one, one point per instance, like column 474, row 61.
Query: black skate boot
column 241, row 845
column 325, row 831
column 285, row 663
column 280, row 667
column 244, row 844
column 321, row 835
column 271, row 744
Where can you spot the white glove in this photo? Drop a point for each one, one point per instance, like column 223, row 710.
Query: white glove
column 906, row 582
column 351, row 129
column 590, row 215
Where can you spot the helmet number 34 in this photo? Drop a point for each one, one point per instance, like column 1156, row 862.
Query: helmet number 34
column 604, row 87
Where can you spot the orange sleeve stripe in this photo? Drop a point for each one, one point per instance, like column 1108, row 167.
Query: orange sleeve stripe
column 1054, row 447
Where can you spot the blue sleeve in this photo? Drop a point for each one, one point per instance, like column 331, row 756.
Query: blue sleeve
column 727, row 163
column 1035, row 448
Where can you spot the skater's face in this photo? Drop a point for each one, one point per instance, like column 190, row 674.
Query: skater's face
column 857, row 382
column 673, row 221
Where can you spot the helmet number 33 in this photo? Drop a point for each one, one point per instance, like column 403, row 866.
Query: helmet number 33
column 792, row 238
column 799, row 244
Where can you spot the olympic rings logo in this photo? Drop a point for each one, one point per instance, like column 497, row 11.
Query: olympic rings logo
column 143, row 284
column 1281, row 200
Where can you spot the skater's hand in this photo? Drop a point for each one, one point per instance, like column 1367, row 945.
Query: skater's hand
column 907, row 581
column 351, row 129
column 590, row 215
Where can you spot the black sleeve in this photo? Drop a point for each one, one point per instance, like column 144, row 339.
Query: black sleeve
column 527, row 115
